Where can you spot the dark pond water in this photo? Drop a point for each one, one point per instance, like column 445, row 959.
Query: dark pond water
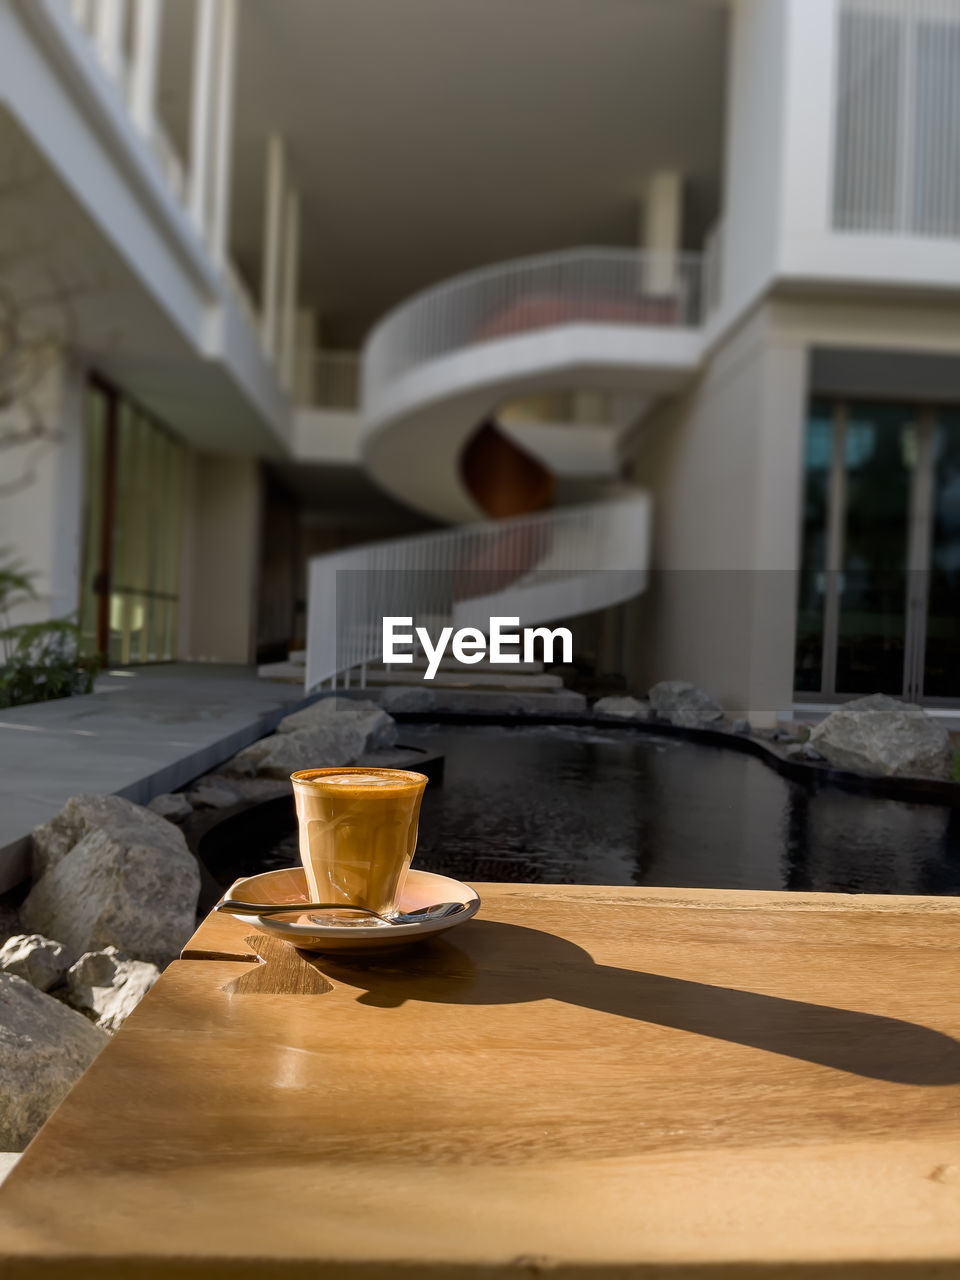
column 603, row 806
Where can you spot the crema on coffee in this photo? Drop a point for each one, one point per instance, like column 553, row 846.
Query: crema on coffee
column 358, row 833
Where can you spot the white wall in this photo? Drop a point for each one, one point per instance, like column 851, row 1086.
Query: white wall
column 331, row 436
column 222, row 548
column 757, row 55
column 724, row 465
column 41, row 491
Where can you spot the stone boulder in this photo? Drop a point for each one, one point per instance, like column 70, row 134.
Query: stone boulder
column 625, row 708
column 172, row 805
column 334, row 731
column 108, row 986
column 38, row 960
column 681, row 703
column 44, row 1048
column 379, row 727
column 54, row 839
column 409, row 698
column 281, row 754
column 209, row 795
column 129, row 881
column 880, row 735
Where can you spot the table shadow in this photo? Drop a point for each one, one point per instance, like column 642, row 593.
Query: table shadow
column 498, row 963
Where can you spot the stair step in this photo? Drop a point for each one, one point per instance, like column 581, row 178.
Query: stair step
column 451, row 664
column 465, row 678
column 423, row 698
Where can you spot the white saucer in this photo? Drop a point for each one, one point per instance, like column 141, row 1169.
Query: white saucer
column 422, row 889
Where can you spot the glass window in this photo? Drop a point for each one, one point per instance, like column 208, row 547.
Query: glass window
column 808, row 674
column 898, row 119
column 867, row 152
column 880, row 454
column 135, row 481
column 94, row 514
column 935, row 189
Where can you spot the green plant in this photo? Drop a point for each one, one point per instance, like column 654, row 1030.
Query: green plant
column 955, row 765
column 38, row 660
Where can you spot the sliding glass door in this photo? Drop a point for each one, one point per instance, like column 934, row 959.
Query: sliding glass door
column 134, row 513
column 878, row 599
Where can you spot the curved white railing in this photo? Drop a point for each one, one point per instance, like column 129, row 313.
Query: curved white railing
column 578, row 286
column 541, row 568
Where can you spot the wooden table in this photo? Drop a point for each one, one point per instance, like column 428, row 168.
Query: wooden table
column 581, row 1081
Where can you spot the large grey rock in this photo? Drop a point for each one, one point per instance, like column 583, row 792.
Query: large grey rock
column 130, row 883
column 379, row 727
column 44, row 1048
column 879, row 735
column 39, row 960
column 625, row 707
column 409, row 698
column 172, row 805
column 330, row 732
column 108, row 986
column 257, row 789
column 54, row 839
column 281, row 754
column 681, row 703
column 209, row 795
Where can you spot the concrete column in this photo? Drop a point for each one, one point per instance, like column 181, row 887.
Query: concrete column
column 146, row 57
column 223, row 146
column 809, row 115
column 81, row 11
column 661, row 231
column 781, row 107
column 724, row 466
column 291, row 269
column 756, row 73
column 306, row 353
column 109, row 22
column 272, row 243
column 202, row 109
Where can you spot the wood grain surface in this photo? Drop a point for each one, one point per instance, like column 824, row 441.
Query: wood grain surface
column 589, row 1082
column 281, row 971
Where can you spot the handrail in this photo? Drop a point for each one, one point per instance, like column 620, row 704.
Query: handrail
column 611, row 286
column 713, row 268
column 541, row 568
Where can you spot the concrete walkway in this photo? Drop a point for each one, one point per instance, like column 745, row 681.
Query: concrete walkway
column 145, row 730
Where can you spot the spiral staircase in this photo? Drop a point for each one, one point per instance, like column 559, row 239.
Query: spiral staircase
column 440, row 373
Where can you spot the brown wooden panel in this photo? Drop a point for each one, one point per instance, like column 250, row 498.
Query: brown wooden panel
column 502, row 478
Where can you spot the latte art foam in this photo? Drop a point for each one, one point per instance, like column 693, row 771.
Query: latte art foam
column 358, row 780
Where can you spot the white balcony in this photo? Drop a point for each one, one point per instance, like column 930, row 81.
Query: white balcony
column 77, row 83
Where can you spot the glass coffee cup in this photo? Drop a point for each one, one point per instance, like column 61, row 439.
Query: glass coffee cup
column 358, row 833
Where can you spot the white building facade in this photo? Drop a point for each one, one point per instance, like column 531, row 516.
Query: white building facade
column 764, row 338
